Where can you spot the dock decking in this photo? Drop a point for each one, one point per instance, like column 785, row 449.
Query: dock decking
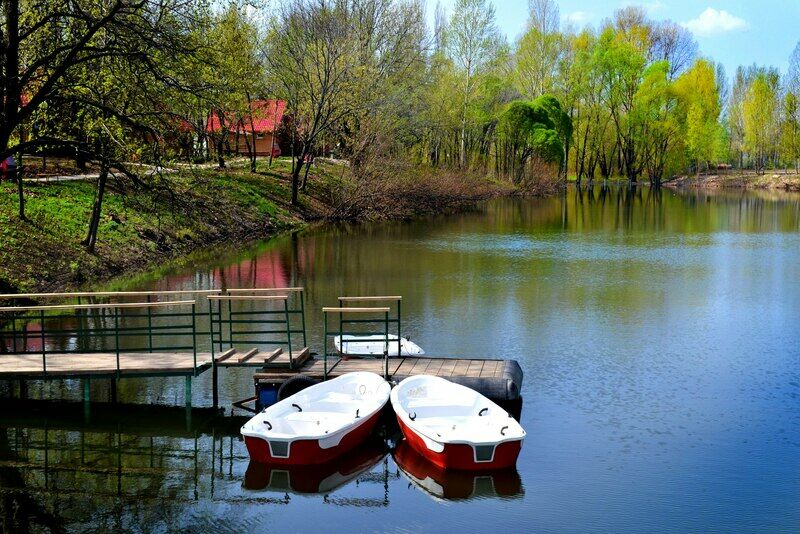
column 103, row 364
column 398, row 367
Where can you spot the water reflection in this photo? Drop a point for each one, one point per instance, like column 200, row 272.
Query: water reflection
column 318, row 479
column 455, row 485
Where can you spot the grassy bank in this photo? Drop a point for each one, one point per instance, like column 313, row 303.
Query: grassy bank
column 193, row 208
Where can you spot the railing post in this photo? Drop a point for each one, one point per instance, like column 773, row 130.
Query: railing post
column 230, row 323
column 116, row 337
column 194, row 336
column 149, row 325
column 14, row 332
column 399, row 330
column 44, row 347
column 386, row 346
column 325, row 346
column 303, row 315
column 288, row 331
column 214, row 384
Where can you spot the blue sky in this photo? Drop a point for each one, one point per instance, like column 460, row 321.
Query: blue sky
column 733, row 32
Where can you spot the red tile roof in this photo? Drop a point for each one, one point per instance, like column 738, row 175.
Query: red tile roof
column 267, row 116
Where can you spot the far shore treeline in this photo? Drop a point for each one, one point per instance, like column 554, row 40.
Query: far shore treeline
column 371, row 82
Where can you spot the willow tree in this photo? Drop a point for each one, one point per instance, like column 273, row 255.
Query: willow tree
column 529, row 130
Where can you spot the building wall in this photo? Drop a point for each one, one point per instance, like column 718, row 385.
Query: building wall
column 263, row 144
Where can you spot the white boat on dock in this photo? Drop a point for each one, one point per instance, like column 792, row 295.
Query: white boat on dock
column 375, row 345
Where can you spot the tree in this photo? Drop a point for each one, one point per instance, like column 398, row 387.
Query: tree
column 760, row 118
column 539, row 50
column 527, row 130
column 790, row 129
column 48, row 49
column 700, row 108
column 473, row 41
column 330, row 59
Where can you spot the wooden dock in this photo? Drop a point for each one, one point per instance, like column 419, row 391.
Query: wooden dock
column 398, row 367
column 262, row 329
column 103, row 364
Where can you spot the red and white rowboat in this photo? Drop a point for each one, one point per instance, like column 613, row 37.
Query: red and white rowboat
column 319, row 423
column 455, row 427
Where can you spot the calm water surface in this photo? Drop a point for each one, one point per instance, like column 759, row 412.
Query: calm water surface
column 659, row 337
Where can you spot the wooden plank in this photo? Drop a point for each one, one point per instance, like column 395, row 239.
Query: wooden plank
column 265, row 290
column 461, row 368
column 356, row 310
column 474, row 368
column 225, row 355
column 448, row 366
column 247, row 355
column 158, row 304
column 301, row 357
column 102, row 363
column 108, row 294
column 248, row 297
column 272, row 355
column 404, row 369
column 434, row 367
column 420, row 366
column 356, row 299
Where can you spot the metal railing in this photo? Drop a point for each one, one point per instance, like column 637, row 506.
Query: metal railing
column 385, row 320
column 276, row 325
column 396, row 319
column 146, row 328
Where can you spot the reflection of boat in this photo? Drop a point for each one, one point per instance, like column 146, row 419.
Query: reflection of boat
column 450, row 484
column 323, row 478
column 375, row 345
column 319, row 423
column 455, row 427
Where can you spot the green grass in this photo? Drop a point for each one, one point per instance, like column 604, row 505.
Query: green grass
column 140, row 227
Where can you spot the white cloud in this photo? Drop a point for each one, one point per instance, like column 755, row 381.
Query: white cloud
column 712, row 22
column 578, row 18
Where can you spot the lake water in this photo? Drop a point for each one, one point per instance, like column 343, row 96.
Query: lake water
column 658, row 333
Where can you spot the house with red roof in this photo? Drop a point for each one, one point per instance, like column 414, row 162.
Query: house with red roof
column 259, row 128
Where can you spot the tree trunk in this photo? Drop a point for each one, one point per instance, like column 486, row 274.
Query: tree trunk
column 94, row 221
column 21, row 195
column 305, row 175
column 297, row 168
column 220, row 155
column 253, row 133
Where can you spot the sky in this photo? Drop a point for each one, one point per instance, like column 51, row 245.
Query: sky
column 731, row 32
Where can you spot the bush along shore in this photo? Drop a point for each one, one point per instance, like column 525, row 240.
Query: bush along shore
column 185, row 210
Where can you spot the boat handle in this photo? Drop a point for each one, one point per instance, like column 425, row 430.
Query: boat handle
column 483, row 411
column 357, row 416
column 269, row 425
column 299, row 409
column 412, row 417
column 503, row 431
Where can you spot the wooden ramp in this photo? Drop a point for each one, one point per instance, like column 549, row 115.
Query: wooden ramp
column 398, row 367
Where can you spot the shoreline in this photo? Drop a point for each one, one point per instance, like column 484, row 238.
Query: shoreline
column 766, row 181
column 194, row 212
